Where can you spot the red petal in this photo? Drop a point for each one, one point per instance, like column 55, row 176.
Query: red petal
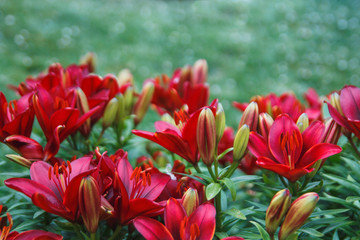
column 312, row 135
column 161, row 126
column 258, row 146
column 37, row 234
column 140, row 207
column 281, row 126
column 27, row 147
column 338, row 118
column 350, row 102
column 282, row 169
column 204, row 217
column 173, row 215
column 158, row 183
column 124, row 169
column 317, row 152
column 151, row 229
column 43, row 202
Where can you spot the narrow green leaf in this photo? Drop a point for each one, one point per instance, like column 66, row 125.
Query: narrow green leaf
column 245, row 178
column 236, row 213
column 335, row 236
column 328, row 212
column 205, row 177
column 212, row 190
column 352, row 198
column 38, row 213
column 345, row 183
column 312, row 232
column 263, row 233
column 231, row 186
column 221, row 235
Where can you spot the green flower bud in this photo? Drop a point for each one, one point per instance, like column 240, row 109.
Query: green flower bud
column 240, row 142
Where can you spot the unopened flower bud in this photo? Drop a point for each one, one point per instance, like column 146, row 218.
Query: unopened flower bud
column 303, row 122
column 120, row 113
column 200, row 71
column 332, row 132
column 89, row 203
column 250, row 116
column 190, row 201
column 277, row 209
column 335, row 102
column 83, row 106
column 89, row 59
column 143, row 102
column 240, row 142
column 299, row 211
column 128, row 100
column 206, row 136
column 220, row 122
column 110, row 113
column 125, row 77
column 265, row 123
column 19, row 160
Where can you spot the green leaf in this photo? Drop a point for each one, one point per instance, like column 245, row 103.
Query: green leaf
column 221, row 235
column 212, row 190
column 336, row 236
column 345, row 183
column 263, row 233
column 352, row 198
column 312, row 232
column 328, row 212
column 245, row 178
column 236, row 213
column 231, row 186
column 38, row 213
column 205, row 177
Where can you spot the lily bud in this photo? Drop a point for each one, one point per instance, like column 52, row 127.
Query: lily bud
column 335, row 102
column 190, row 201
column 250, row 116
column 125, row 77
column 332, row 132
column 83, row 106
column 19, row 160
column 220, row 122
column 302, row 122
column 299, row 211
column 110, row 113
column 265, row 123
column 277, row 209
column 200, row 71
column 143, row 102
column 89, row 59
column 240, row 142
column 206, row 136
column 120, row 113
column 128, row 100
column 89, row 203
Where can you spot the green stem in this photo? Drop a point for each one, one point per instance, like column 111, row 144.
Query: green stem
column 116, row 233
column 77, row 231
column 212, row 173
column 93, row 236
column 197, row 168
column 218, row 212
column 231, row 170
column 353, row 145
column 283, row 181
column 303, row 186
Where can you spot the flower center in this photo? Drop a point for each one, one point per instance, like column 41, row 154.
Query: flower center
column 60, row 175
column 141, row 180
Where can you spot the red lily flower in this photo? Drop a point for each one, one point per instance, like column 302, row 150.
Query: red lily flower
column 349, row 117
column 178, row 226
column 54, row 189
column 135, row 192
column 16, row 117
column 187, row 87
column 288, row 152
column 178, row 139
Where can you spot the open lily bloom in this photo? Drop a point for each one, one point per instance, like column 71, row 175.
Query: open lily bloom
column 350, row 107
column 200, row 224
column 54, row 189
column 288, row 152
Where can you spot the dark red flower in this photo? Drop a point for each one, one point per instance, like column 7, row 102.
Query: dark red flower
column 348, row 116
column 288, row 152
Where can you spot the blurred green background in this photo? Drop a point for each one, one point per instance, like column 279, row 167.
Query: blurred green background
column 252, row 47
